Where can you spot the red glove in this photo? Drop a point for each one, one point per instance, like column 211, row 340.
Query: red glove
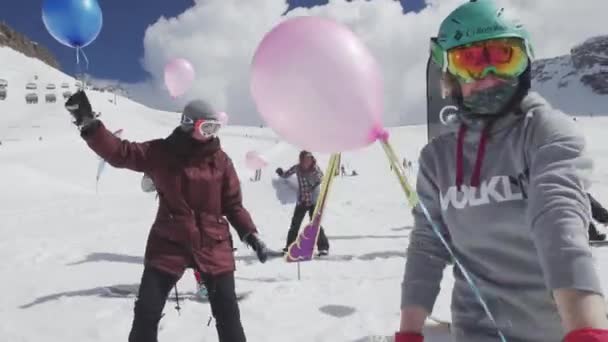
column 410, row 337
column 585, row 335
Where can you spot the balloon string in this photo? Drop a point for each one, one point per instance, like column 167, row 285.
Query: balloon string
column 86, row 59
column 80, row 75
column 413, row 200
column 79, row 51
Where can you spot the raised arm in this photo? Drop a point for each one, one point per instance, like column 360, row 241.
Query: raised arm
column 288, row 173
column 118, row 153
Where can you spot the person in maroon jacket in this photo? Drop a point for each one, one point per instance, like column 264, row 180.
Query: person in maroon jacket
column 198, row 189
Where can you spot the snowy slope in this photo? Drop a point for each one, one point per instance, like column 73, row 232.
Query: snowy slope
column 576, row 83
column 62, row 243
column 561, row 84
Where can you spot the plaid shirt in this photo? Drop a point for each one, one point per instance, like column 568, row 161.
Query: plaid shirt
column 308, row 183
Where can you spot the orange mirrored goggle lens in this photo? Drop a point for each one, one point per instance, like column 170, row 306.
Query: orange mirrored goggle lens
column 504, row 57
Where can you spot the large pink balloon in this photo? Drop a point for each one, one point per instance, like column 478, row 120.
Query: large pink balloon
column 255, row 161
column 179, row 76
column 318, row 86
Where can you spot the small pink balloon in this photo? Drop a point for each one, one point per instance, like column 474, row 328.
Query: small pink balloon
column 179, row 76
column 255, row 161
column 223, row 118
column 316, row 85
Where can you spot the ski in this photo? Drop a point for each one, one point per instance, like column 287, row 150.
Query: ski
column 303, row 248
column 130, row 291
column 197, row 298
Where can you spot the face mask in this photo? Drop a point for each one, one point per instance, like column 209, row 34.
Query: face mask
column 492, row 100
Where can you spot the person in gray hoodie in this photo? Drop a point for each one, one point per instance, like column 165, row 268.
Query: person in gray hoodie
column 506, row 191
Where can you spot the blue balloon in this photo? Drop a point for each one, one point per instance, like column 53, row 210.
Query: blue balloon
column 75, row 23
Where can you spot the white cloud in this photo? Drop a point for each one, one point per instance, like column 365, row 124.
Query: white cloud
column 220, row 36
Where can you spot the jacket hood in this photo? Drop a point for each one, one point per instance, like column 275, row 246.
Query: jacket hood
column 184, row 146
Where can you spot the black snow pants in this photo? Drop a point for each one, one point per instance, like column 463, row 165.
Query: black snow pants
column 154, row 290
column 296, row 221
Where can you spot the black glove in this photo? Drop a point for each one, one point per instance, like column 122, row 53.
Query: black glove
column 80, row 108
column 279, row 171
column 258, row 246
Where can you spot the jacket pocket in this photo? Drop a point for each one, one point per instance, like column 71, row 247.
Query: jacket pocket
column 214, row 230
column 173, row 229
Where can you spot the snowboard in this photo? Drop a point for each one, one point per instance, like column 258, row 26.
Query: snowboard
column 439, row 105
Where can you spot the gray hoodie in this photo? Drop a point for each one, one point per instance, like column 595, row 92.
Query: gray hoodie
column 518, row 223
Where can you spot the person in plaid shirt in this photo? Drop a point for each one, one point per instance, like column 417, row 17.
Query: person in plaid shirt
column 309, row 179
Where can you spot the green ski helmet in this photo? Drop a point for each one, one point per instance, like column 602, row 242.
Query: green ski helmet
column 476, row 21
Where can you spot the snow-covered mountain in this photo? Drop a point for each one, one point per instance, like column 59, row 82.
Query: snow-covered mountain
column 20, row 42
column 576, row 83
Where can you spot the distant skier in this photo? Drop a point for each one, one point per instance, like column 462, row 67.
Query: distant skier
column 258, row 175
column 309, row 179
column 507, row 191
column 600, row 214
column 197, row 186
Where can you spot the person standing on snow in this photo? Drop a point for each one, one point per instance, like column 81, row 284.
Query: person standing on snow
column 514, row 210
column 197, row 186
column 309, row 179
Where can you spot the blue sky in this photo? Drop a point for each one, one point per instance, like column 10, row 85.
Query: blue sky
column 117, row 51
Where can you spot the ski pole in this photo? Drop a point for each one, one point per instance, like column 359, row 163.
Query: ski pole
column 177, row 307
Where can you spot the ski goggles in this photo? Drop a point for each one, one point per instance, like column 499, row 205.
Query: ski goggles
column 504, row 57
column 205, row 128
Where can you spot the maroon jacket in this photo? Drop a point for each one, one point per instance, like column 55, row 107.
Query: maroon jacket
column 197, row 186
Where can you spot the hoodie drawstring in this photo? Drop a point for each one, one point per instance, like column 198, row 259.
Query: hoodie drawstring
column 481, row 152
column 462, row 132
